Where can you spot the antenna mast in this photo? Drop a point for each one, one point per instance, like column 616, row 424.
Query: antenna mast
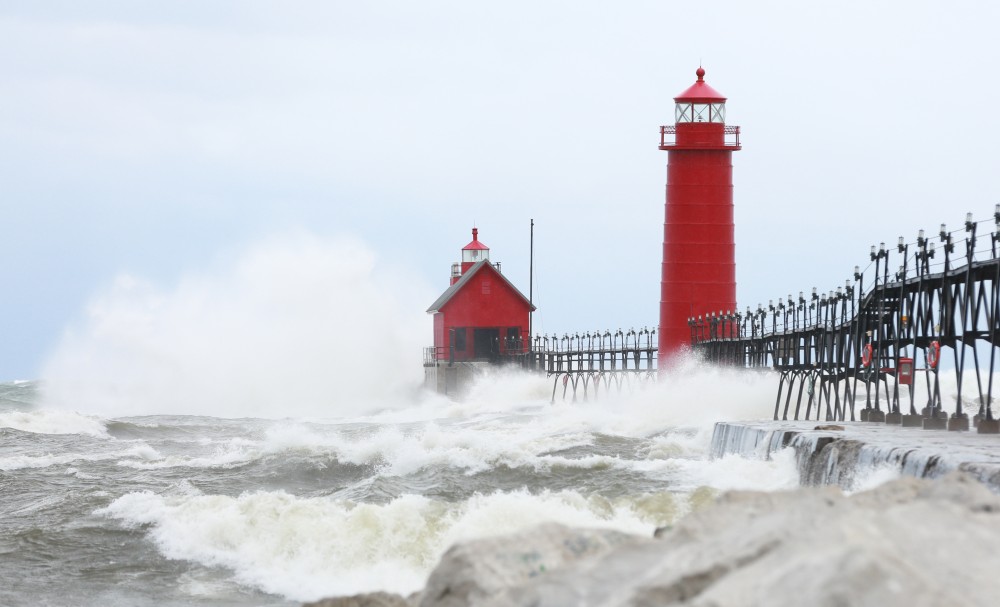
column 531, row 281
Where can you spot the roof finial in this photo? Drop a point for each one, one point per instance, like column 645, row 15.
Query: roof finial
column 475, row 234
column 700, row 73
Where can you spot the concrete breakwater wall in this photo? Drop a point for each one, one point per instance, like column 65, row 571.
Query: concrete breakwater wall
column 841, row 454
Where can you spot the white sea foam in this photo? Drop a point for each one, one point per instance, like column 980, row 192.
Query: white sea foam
column 81, row 475
column 295, row 326
column 26, row 461
column 487, row 432
column 689, row 443
column 23, row 462
column 229, row 454
column 869, row 478
column 733, row 472
column 679, row 410
column 691, row 395
column 53, row 421
column 306, row 548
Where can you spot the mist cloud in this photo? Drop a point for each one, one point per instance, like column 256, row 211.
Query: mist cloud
column 294, row 325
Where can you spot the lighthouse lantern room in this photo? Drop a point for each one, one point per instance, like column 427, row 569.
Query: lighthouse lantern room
column 481, row 315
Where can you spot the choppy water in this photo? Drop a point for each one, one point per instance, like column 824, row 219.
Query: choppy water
column 201, row 510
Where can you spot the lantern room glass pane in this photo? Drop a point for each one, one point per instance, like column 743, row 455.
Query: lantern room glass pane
column 700, row 112
column 718, row 112
column 474, row 255
column 682, row 112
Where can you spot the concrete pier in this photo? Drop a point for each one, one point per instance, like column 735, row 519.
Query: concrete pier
column 453, row 380
column 835, row 453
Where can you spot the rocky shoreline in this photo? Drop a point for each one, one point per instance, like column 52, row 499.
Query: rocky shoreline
column 913, row 542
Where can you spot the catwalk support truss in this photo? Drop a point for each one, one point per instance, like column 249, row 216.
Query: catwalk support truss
column 881, row 347
column 589, row 364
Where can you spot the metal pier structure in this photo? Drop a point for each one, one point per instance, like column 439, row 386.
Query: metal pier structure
column 881, row 346
column 587, row 364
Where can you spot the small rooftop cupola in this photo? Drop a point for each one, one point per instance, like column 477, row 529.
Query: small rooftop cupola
column 472, row 253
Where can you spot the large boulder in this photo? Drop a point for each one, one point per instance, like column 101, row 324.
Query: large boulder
column 475, row 572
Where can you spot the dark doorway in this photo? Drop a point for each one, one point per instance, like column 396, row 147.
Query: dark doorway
column 459, row 342
column 486, row 343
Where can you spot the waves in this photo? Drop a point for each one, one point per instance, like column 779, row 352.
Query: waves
column 491, row 431
column 319, row 505
column 53, row 422
column 18, row 394
column 306, row 548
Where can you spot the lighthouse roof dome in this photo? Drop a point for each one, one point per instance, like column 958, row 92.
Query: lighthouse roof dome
column 700, row 92
column 475, row 244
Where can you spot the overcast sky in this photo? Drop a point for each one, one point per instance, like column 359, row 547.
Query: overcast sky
column 154, row 139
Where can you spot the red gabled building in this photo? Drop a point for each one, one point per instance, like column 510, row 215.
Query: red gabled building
column 481, row 315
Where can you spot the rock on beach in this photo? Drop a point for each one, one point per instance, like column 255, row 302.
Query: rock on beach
column 911, row 542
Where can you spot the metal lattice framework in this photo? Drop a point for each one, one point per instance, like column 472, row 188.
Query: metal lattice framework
column 588, row 363
column 863, row 343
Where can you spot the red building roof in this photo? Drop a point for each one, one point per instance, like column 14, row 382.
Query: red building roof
column 483, row 265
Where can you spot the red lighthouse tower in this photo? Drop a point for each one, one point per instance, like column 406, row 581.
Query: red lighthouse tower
column 699, row 249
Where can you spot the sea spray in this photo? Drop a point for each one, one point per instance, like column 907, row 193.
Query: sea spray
column 292, row 326
column 692, row 394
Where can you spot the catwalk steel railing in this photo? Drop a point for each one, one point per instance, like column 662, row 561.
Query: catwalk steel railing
column 590, row 362
column 940, row 309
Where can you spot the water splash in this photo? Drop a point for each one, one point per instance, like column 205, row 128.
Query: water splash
column 292, row 326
